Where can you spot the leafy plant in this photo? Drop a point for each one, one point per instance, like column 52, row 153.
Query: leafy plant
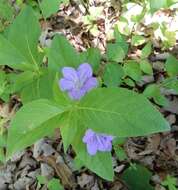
column 108, row 112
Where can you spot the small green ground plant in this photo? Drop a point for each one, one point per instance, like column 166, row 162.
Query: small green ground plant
column 91, row 103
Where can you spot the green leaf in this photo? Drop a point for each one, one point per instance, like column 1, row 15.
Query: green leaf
column 23, row 38
column 91, row 56
column 126, row 113
column 146, row 51
column 5, row 86
column 138, row 40
column 40, row 87
column 32, row 122
column 146, row 67
column 60, row 97
column 69, row 133
column 10, row 56
column 48, row 7
column 172, row 66
column 113, row 75
column 21, row 80
column 129, row 82
column 170, row 182
column 137, row 177
column 62, row 54
column 120, row 153
column 54, row 184
column 19, row 50
column 120, row 39
column 169, row 38
column 132, row 69
column 115, row 52
column 153, row 91
column 156, row 5
column 42, row 179
column 171, row 83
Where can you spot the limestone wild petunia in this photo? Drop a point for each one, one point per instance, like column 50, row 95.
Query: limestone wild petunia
column 97, row 142
column 78, row 82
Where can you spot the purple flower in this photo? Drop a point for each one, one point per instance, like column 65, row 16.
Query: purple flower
column 97, row 142
column 78, row 82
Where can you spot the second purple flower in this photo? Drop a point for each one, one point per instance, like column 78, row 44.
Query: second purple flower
column 78, row 82
column 97, row 142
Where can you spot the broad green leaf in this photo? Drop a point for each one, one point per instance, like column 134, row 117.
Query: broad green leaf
column 69, row 129
column 32, row 122
column 60, row 97
column 153, row 91
column 132, row 69
column 113, row 75
column 19, row 50
column 21, row 80
column 138, row 40
column 146, row 67
column 146, row 51
column 126, row 113
column 91, row 56
column 10, row 56
column 172, row 66
column 48, row 7
column 115, row 52
column 62, row 54
column 23, row 37
column 137, row 177
column 40, row 87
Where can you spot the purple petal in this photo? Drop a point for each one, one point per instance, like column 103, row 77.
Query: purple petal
column 66, row 84
column 84, row 72
column 70, row 73
column 88, row 135
column 90, row 84
column 92, row 148
column 104, row 144
column 109, row 137
column 76, row 94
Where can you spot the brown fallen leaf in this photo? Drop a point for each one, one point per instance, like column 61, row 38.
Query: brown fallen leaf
column 61, row 169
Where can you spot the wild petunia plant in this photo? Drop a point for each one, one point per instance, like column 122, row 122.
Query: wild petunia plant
column 89, row 116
